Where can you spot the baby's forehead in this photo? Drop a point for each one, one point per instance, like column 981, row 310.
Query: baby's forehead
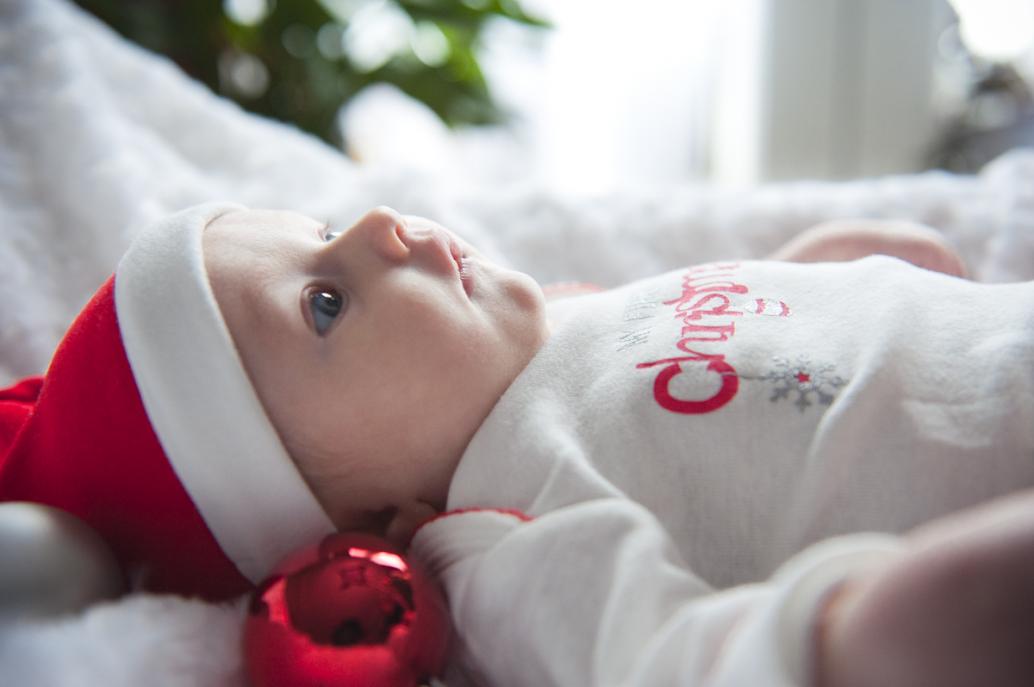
column 244, row 246
column 246, row 254
column 259, row 221
column 249, row 234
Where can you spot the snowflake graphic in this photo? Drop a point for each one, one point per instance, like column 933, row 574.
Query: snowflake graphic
column 811, row 383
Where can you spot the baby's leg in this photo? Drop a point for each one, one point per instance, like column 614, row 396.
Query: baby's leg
column 843, row 240
column 956, row 609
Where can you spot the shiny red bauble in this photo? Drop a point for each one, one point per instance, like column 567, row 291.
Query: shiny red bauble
column 348, row 611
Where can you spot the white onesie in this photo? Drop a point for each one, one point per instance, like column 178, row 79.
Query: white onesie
column 693, row 432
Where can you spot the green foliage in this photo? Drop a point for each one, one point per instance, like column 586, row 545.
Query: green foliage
column 301, row 60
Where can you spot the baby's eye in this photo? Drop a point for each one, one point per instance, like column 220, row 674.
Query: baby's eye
column 331, row 234
column 325, row 305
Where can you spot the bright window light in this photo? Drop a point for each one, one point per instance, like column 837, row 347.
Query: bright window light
column 996, row 30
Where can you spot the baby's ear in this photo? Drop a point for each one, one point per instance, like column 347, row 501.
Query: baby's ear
column 405, row 521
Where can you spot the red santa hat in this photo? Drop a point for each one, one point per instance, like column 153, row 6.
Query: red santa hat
column 147, row 427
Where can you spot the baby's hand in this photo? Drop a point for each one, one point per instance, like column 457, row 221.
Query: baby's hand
column 405, row 520
column 842, row 240
column 957, row 608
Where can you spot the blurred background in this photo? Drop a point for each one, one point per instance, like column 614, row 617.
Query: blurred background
column 589, row 95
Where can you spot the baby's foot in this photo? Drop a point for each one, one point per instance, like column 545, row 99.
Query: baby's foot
column 956, row 609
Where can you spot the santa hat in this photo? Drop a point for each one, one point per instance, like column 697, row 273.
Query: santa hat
column 147, row 427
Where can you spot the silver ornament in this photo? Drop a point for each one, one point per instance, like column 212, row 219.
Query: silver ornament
column 51, row 563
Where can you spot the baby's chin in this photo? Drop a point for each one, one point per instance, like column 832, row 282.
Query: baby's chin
column 530, row 299
column 530, row 295
column 513, row 299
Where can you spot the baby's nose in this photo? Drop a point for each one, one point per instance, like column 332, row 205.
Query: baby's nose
column 385, row 230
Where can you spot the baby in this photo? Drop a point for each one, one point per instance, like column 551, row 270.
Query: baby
column 642, row 486
column 377, row 352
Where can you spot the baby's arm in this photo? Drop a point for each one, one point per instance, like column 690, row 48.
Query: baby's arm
column 595, row 593
column 956, row 609
column 843, row 240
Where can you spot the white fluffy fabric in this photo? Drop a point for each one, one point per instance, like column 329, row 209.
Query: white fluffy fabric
column 159, row 641
column 98, row 137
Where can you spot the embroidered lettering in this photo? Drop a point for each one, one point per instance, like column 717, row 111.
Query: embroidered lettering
column 705, row 294
column 633, row 338
column 728, row 386
column 640, row 306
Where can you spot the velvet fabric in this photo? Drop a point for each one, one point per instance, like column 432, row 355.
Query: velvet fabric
column 79, row 439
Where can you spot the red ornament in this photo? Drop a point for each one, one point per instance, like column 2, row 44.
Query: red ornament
column 348, row 611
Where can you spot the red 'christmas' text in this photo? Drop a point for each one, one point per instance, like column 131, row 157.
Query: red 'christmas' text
column 708, row 318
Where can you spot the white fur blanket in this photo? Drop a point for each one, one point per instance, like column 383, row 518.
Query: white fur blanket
column 97, row 136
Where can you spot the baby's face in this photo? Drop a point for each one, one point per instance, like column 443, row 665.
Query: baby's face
column 377, row 350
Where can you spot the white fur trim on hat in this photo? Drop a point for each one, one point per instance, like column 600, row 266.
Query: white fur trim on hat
column 200, row 400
